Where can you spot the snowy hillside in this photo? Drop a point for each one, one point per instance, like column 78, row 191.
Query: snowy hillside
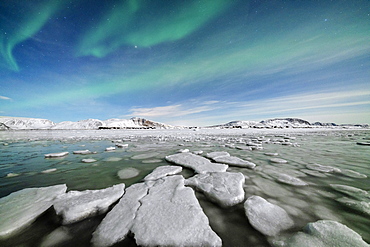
column 240, row 124
column 88, row 124
column 15, row 123
column 3, row 127
column 286, row 123
column 26, row 123
column 283, row 123
column 148, row 123
column 134, row 123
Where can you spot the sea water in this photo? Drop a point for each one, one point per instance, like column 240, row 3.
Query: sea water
column 22, row 165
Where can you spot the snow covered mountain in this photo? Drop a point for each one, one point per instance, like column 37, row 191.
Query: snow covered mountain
column 113, row 123
column 286, row 123
column 283, row 123
column 3, row 127
column 26, row 123
column 15, row 123
column 239, row 124
column 88, row 124
column 148, row 123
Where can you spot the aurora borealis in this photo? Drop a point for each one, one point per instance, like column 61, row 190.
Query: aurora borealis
column 186, row 62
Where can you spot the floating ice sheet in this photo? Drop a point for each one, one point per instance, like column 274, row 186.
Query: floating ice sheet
column 78, row 205
column 266, row 217
column 224, row 188
column 21, row 208
column 170, row 215
column 326, row 233
column 163, row 171
column 198, row 163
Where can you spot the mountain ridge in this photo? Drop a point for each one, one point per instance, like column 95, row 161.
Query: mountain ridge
column 283, row 123
column 16, row 123
column 20, row 123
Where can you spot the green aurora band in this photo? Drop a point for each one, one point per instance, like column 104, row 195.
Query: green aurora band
column 29, row 24
column 301, row 48
column 131, row 24
column 267, row 57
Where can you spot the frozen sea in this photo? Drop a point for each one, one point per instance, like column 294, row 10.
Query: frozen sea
column 22, row 165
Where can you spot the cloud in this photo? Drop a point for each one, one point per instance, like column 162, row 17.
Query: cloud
column 313, row 100
column 177, row 110
column 339, row 107
column 315, row 106
column 4, row 98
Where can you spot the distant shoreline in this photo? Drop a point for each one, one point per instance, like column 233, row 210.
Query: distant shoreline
column 53, row 134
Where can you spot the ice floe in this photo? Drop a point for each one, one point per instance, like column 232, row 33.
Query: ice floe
column 272, row 188
column 267, row 218
column 110, row 148
column 144, row 156
column 321, row 168
column 113, row 159
column 82, row 152
column 78, row 205
column 314, row 173
column 128, row 172
column 88, row 160
column 352, row 174
column 150, row 161
column 216, row 154
column 49, row 170
column 234, row 161
column 278, row 160
column 170, row 215
column 163, row 171
column 286, row 178
column 359, row 205
column 159, row 213
column 324, row 233
column 246, row 148
column 56, row 155
column 12, row 174
column 198, row 163
column 118, row 222
column 21, row 208
column 120, row 145
column 224, row 188
column 271, row 154
column 351, row 191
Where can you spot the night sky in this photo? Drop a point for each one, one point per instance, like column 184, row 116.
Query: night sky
column 186, row 62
